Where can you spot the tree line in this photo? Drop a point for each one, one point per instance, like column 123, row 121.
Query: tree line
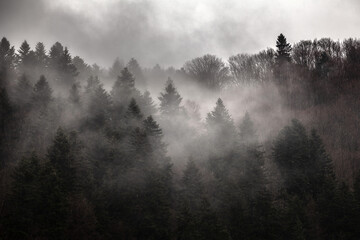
column 81, row 162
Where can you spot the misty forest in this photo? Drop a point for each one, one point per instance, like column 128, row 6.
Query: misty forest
column 258, row 146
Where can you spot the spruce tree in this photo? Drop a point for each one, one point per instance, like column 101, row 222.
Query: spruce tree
column 170, row 100
column 282, row 59
column 247, row 130
column 124, row 89
column 74, row 95
column 41, row 57
column 61, row 157
column 147, row 104
column 135, row 69
column 283, row 50
column 42, row 93
column 23, row 92
column 117, row 67
column 25, row 199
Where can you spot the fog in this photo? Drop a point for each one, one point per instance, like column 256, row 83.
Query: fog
column 154, row 119
column 172, row 32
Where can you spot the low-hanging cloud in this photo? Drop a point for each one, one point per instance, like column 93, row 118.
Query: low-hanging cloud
column 171, row 32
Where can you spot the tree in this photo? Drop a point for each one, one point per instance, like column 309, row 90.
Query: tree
column 247, row 130
column 170, row 100
column 282, row 59
column 25, row 199
column 283, row 51
column 74, row 95
column 42, row 93
column 55, row 54
column 197, row 220
column 23, row 92
column 124, row 89
column 6, row 112
column 7, row 60
column 117, row 67
column 83, row 69
column 221, row 127
column 26, row 59
column 209, row 71
column 61, row 157
column 155, row 134
column 135, row 69
column 98, row 104
column 147, row 104
column 67, row 70
column 251, row 69
column 133, row 113
column 41, row 57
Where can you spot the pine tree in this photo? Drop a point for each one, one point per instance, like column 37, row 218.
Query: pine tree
column 6, row 112
column 98, row 104
column 291, row 155
column 26, row 59
column 147, row 104
column 283, row 51
column 133, row 112
column 74, row 95
column 41, row 57
column 23, row 92
column 247, row 130
column 25, row 199
column 61, row 157
column 67, row 70
column 42, row 93
column 117, row 67
column 23, row 51
column 135, row 69
column 124, row 89
column 282, row 59
column 221, row 127
column 7, row 60
column 170, row 100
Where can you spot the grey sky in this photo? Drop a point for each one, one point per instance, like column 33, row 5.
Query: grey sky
column 170, row 32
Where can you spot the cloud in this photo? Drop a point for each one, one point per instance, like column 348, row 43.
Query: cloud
column 171, row 32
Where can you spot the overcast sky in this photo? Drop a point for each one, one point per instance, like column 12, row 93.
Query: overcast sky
column 169, row 32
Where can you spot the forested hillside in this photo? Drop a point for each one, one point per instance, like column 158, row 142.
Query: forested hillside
column 260, row 146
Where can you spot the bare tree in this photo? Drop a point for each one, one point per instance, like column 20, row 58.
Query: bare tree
column 208, row 70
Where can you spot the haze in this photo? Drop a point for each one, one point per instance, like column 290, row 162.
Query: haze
column 172, row 32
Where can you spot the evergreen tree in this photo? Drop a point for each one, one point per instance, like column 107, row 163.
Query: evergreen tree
column 23, row 92
column 42, row 93
column 23, row 51
column 67, row 70
column 133, row 112
column 124, row 89
column 98, row 104
column 283, row 51
column 117, row 67
column 25, row 199
column 282, row 59
column 170, row 100
column 291, row 155
column 147, row 104
column 7, row 60
column 41, row 57
column 155, row 134
column 26, row 59
column 221, row 127
column 135, row 69
column 247, row 130
column 61, row 157
column 6, row 112
column 74, row 95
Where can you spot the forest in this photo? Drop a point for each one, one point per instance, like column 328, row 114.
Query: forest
column 258, row 146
